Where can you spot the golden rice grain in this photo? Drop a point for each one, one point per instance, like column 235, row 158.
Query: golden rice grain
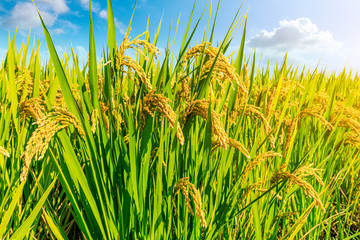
column 352, row 139
column 135, row 44
column 100, row 78
column 221, row 71
column 236, row 144
column 48, row 126
column 182, row 185
column 4, row 152
column 247, row 77
column 122, row 60
column 350, row 123
column 256, row 111
column 251, row 110
column 200, row 108
column 24, row 81
column 314, row 112
column 295, row 178
column 104, row 110
column 184, row 90
column 94, row 120
column 33, row 107
column 157, row 102
column 269, row 105
column 308, row 170
column 130, row 63
column 297, row 119
column 221, row 65
column 255, row 162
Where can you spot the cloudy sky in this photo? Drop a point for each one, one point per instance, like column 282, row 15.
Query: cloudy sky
column 323, row 32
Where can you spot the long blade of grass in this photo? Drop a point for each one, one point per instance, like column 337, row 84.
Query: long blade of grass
column 23, row 230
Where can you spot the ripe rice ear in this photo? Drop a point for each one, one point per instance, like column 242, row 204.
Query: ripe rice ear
column 200, row 108
column 4, row 152
column 33, row 107
column 238, row 145
column 314, row 113
column 157, row 102
column 122, row 60
column 187, row 188
column 259, row 159
column 296, row 178
column 221, row 65
column 48, row 126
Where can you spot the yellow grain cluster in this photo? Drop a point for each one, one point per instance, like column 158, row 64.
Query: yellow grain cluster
column 188, row 189
column 308, row 170
column 200, row 108
column 238, row 145
column 157, row 102
column 352, row 139
column 297, row 178
column 4, row 152
column 313, row 112
column 343, row 115
column 222, row 70
column 125, row 61
column 48, row 126
column 256, row 161
column 184, row 91
column 251, row 110
column 33, row 107
column 94, row 120
column 316, row 113
column 290, row 86
column 105, row 114
column 100, row 77
column 24, row 81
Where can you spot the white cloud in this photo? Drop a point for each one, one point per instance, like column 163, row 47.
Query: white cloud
column 58, row 6
column 24, row 15
column 59, row 49
column 81, row 53
column 305, row 44
column 103, row 14
column 58, row 31
column 80, row 50
column 65, row 27
column 85, row 3
column 120, row 26
column 294, row 34
column 68, row 25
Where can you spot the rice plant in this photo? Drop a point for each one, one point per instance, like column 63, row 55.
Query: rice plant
column 196, row 145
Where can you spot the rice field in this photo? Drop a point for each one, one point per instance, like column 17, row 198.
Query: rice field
column 201, row 143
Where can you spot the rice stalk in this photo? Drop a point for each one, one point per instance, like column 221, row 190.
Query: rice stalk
column 256, row 161
column 200, row 108
column 123, row 60
column 4, row 152
column 297, row 178
column 157, row 102
column 187, row 188
column 48, row 126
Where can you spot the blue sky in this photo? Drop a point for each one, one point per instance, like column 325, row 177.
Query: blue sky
column 310, row 31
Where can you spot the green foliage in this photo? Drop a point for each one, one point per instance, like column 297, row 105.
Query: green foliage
column 193, row 146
